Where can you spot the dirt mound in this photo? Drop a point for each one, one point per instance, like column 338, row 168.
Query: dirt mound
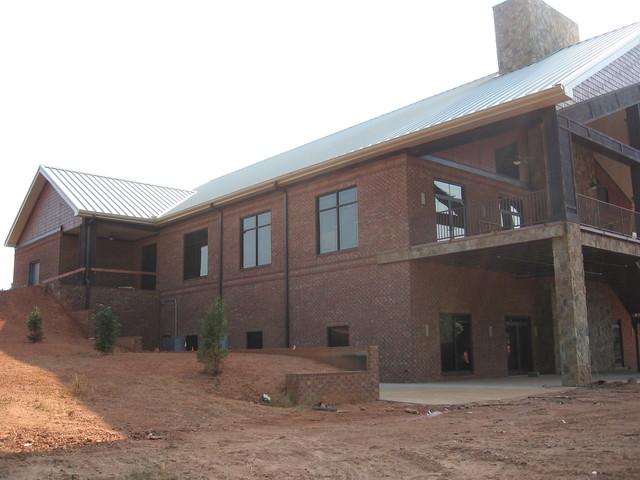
column 15, row 305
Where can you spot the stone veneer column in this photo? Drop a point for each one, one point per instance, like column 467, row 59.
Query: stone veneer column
column 571, row 308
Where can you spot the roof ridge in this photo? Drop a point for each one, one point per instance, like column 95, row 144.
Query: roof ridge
column 118, row 179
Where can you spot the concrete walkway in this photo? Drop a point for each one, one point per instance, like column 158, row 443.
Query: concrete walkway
column 456, row 392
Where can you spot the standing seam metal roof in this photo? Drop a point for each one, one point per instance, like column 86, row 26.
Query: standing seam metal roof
column 101, row 195
column 567, row 68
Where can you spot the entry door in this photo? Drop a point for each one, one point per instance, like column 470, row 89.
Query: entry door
column 149, row 254
column 519, row 345
column 167, row 325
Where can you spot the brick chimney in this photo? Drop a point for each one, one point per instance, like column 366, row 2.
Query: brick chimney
column 528, row 31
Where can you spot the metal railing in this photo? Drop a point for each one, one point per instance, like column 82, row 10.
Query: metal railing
column 606, row 216
column 506, row 213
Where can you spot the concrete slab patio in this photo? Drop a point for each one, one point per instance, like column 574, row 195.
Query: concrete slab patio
column 457, row 392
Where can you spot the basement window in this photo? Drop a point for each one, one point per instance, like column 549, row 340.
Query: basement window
column 196, row 254
column 191, row 343
column 254, row 340
column 338, row 336
column 507, row 161
column 455, row 342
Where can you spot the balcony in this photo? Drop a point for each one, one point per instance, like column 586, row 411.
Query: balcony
column 606, row 216
column 505, row 213
column 529, row 209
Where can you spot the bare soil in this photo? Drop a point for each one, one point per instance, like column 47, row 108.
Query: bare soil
column 67, row 412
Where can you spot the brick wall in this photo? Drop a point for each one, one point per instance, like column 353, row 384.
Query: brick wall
column 488, row 297
column 336, row 387
column 138, row 310
column 46, row 251
column 50, row 213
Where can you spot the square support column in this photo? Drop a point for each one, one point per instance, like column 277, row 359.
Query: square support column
column 571, row 308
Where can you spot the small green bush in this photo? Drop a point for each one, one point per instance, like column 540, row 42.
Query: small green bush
column 107, row 329
column 34, row 324
column 213, row 332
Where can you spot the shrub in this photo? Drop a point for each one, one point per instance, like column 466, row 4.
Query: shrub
column 213, row 349
column 34, row 324
column 107, row 329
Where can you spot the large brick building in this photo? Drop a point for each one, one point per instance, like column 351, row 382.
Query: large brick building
column 491, row 229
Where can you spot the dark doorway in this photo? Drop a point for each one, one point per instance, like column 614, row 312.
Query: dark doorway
column 254, row 340
column 149, row 255
column 519, row 345
column 455, row 343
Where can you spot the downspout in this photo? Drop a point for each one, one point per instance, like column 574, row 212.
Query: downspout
column 287, row 317
column 220, row 246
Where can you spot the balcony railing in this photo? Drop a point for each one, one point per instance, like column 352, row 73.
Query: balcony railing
column 606, row 216
column 495, row 215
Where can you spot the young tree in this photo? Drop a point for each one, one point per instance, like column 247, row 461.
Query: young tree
column 212, row 351
column 34, row 324
column 107, row 329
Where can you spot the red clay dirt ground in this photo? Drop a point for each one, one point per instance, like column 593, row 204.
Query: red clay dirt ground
column 67, row 412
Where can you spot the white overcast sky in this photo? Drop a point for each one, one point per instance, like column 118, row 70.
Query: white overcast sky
column 179, row 92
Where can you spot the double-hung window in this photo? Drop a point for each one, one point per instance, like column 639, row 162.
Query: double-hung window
column 256, row 240
column 338, row 220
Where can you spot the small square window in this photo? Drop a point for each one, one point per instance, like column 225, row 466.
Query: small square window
column 254, row 340
column 338, row 336
column 191, row 343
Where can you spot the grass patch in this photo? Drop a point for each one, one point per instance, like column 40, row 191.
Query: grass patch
column 79, row 388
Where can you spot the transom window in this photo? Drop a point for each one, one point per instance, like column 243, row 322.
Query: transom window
column 450, row 212
column 338, row 220
column 256, row 240
column 196, row 254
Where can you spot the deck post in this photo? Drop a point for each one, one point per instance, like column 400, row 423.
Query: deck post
column 570, row 310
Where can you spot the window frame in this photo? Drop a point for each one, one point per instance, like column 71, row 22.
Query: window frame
column 257, row 229
column 185, row 276
column 338, row 249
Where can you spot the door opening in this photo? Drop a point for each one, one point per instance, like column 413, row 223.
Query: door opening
column 519, row 345
column 149, row 255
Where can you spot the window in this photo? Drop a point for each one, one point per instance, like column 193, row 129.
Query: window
column 618, row 353
column 507, row 162
column 455, row 342
column 256, row 240
column 338, row 336
column 510, row 212
column 450, row 211
column 34, row 274
column 338, row 220
column 191, row 343
column 254, row 340
column 196, row 255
